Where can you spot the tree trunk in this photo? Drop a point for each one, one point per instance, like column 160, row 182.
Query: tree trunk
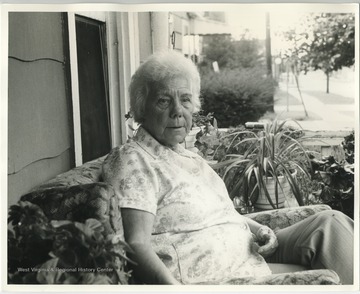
column 298, row 87
column 268, row 46
column 269, row 58
column 327, row 82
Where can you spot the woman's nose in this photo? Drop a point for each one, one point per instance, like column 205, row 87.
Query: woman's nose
column 176, row 110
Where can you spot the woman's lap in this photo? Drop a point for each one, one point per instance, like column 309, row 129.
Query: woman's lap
column 324, row 240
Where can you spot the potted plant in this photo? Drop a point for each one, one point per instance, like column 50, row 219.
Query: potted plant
column 200, row 126
column 335, row 184
column 261, row 164
column 349, row 145
column 41, row 251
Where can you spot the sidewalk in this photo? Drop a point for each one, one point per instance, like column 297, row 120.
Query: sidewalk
column 337, row 113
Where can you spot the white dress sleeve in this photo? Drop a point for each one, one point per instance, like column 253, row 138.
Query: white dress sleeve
column 133, row 178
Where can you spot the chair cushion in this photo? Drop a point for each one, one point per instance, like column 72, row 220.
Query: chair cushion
column 89, row 172
column 80, row 202
column 281, row 218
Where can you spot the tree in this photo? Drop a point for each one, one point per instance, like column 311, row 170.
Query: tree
column 248, row 53
column 293, row 57
column 332, row 44
column 217, row 48
column 231, row 54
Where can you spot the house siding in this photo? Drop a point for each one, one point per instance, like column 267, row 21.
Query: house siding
column 40, row 143
column 144, row 23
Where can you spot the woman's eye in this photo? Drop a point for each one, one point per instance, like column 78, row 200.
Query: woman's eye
column 164, row 102
column 186, row 99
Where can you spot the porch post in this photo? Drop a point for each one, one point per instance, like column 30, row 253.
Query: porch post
column 159, row 30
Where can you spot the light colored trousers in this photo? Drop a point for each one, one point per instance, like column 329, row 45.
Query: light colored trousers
column 324, row 240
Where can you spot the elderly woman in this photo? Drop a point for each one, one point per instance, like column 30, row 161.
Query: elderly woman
column 177, row 214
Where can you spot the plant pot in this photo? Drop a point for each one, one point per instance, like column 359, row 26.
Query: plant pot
column 285, row 195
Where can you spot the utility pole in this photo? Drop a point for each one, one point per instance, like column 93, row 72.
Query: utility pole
column 268, row 57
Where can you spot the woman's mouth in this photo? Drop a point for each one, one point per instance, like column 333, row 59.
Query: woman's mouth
column 176, row 127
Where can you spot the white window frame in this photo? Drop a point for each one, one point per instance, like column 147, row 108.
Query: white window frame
column 123, row 59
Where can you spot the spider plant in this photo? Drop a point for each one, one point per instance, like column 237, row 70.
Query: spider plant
column 273, row 152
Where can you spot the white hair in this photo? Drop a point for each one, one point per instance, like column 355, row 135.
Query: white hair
column 155, row 71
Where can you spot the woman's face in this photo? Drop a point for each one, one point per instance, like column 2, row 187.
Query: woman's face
column 168, row 112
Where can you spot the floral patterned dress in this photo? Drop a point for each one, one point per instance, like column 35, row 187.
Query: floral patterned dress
column 197, row 232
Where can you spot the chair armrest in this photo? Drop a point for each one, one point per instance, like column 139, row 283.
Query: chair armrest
column 281, row 218
column 80, row 202
column 309, row 277
column 88, row 173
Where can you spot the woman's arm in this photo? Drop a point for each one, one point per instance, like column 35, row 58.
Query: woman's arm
column 150, row 269
column 253, row 225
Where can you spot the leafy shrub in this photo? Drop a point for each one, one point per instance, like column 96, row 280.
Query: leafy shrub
column 335, row 184
column 200, row 119
column 332, row 181
column 237, row 96
column 41, row 251
column 349, row 144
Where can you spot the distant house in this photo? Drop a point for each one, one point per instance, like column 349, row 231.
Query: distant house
column 192, row 32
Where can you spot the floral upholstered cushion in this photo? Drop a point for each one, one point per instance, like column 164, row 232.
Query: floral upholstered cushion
column 89, row 172
column 78, row 203
column 77, row 195
column 310, row 277
column 281, row 218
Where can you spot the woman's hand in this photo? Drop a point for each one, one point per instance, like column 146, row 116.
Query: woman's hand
column 267, row 241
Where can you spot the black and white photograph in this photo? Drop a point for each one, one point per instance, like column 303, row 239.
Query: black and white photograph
column 180, row 147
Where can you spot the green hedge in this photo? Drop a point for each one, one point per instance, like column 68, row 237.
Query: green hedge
column 237, row 96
